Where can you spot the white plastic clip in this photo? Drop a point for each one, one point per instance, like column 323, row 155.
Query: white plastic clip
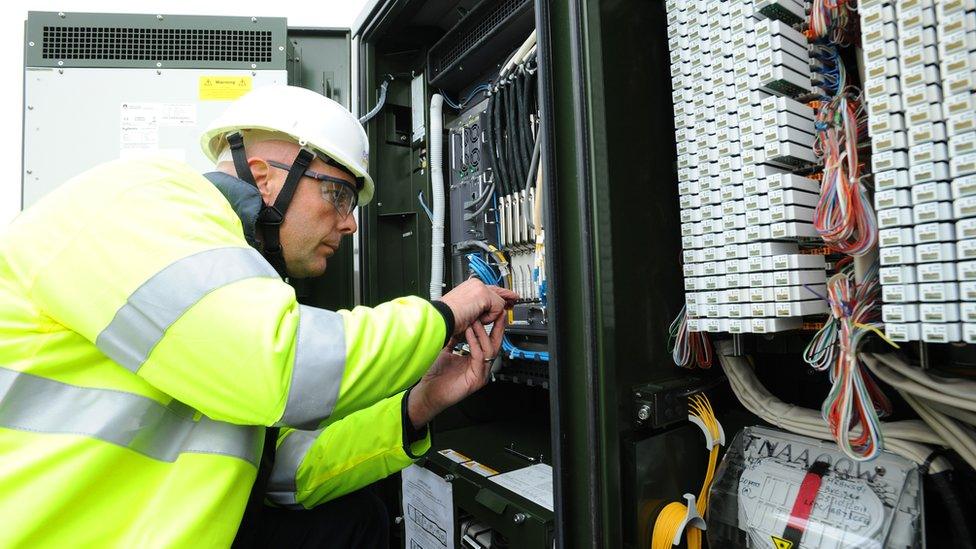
column 692, row 518
column 709, row 441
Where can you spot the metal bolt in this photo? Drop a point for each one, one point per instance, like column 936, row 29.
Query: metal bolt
column 60, row 63
column 29, row 172
column 254, row 19
column 378, row 204
column 281, row 48
column 61, row 14
column 30, row 107
column 254, row 65
column 398, row 520
column 159, row 18
column 31, row 44
column 159, row 64
column 880, row 470
column 449, row 477
column 519, row 518
column 644, row 412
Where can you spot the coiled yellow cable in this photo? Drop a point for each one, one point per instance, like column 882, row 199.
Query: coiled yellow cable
column 669, row 520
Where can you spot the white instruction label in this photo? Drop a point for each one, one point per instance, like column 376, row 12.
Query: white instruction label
column 138, row 126
column 428, row 510
column 534, row 483
column 453, row 455
column 177, row 114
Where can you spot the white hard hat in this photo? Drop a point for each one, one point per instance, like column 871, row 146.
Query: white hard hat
column 313, row 120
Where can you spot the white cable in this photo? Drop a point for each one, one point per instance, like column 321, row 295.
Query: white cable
column 437, row 189
column 519, row 54
column 901, row 437
column 954, row 435
column 879, row 366
column 964, row 416
column 790, row 414
column 959, row 388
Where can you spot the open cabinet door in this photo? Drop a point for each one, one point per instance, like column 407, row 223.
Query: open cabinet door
column 319, row 59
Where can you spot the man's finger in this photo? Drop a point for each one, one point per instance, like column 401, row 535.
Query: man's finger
column 477, row 351
column 497, row 333
column 483, row 340
column 509, row 296
column 485, row 343
column 496, row 304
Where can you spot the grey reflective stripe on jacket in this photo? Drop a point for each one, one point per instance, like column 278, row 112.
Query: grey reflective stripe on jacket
column 320, row 360
column 40, row 405
column 283, row 485
column 139, row 325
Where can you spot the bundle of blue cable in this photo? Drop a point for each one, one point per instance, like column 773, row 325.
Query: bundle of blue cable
column 481, row 269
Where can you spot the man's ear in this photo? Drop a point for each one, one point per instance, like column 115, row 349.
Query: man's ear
column 266, row 184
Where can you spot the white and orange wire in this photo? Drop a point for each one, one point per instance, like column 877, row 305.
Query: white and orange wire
column 855, row 400
column 843, row 217
column 687, row 348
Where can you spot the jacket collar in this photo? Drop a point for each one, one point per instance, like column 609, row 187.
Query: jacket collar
column 244, row 198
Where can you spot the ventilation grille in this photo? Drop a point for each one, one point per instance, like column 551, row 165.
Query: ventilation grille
column 471, row 34
column 152, row 44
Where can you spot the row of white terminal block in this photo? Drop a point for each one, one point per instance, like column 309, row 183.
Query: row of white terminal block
column 738, row 138
column 920, row 78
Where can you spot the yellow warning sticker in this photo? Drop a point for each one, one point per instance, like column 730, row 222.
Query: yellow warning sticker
column 780, row 543
column 223, row 88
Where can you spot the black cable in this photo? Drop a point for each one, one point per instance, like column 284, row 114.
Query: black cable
column 518, row 129
column 511, row 136
column 489, row 132
column 502, row 162
column 962, row 534
column 499, row 177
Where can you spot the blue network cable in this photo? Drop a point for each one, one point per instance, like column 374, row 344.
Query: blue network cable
column 483, row 270
column 464, row 102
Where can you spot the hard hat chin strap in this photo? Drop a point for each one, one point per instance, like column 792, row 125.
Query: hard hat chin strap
column 271, row 217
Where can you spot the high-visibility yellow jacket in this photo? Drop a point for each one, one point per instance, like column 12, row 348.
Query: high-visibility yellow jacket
column 144, row 345
column 313, row 467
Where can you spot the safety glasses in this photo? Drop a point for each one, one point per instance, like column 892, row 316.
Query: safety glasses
column 338, row 191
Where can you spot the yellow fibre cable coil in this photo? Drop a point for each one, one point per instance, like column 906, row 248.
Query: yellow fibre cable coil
column 672, row 516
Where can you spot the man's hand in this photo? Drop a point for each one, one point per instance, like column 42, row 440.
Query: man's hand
column 453, row 377
column 473, row 301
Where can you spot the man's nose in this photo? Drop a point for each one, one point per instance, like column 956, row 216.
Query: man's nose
column 349, row 225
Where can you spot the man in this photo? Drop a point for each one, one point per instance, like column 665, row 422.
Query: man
column 145, row 345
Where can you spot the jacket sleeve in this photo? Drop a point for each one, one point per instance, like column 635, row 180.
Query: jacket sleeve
column 313, row 467
column 159, row 277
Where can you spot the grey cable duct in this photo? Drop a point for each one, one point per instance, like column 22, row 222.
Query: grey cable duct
column 379, row 104
column 901, row 437
column 437, row 188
